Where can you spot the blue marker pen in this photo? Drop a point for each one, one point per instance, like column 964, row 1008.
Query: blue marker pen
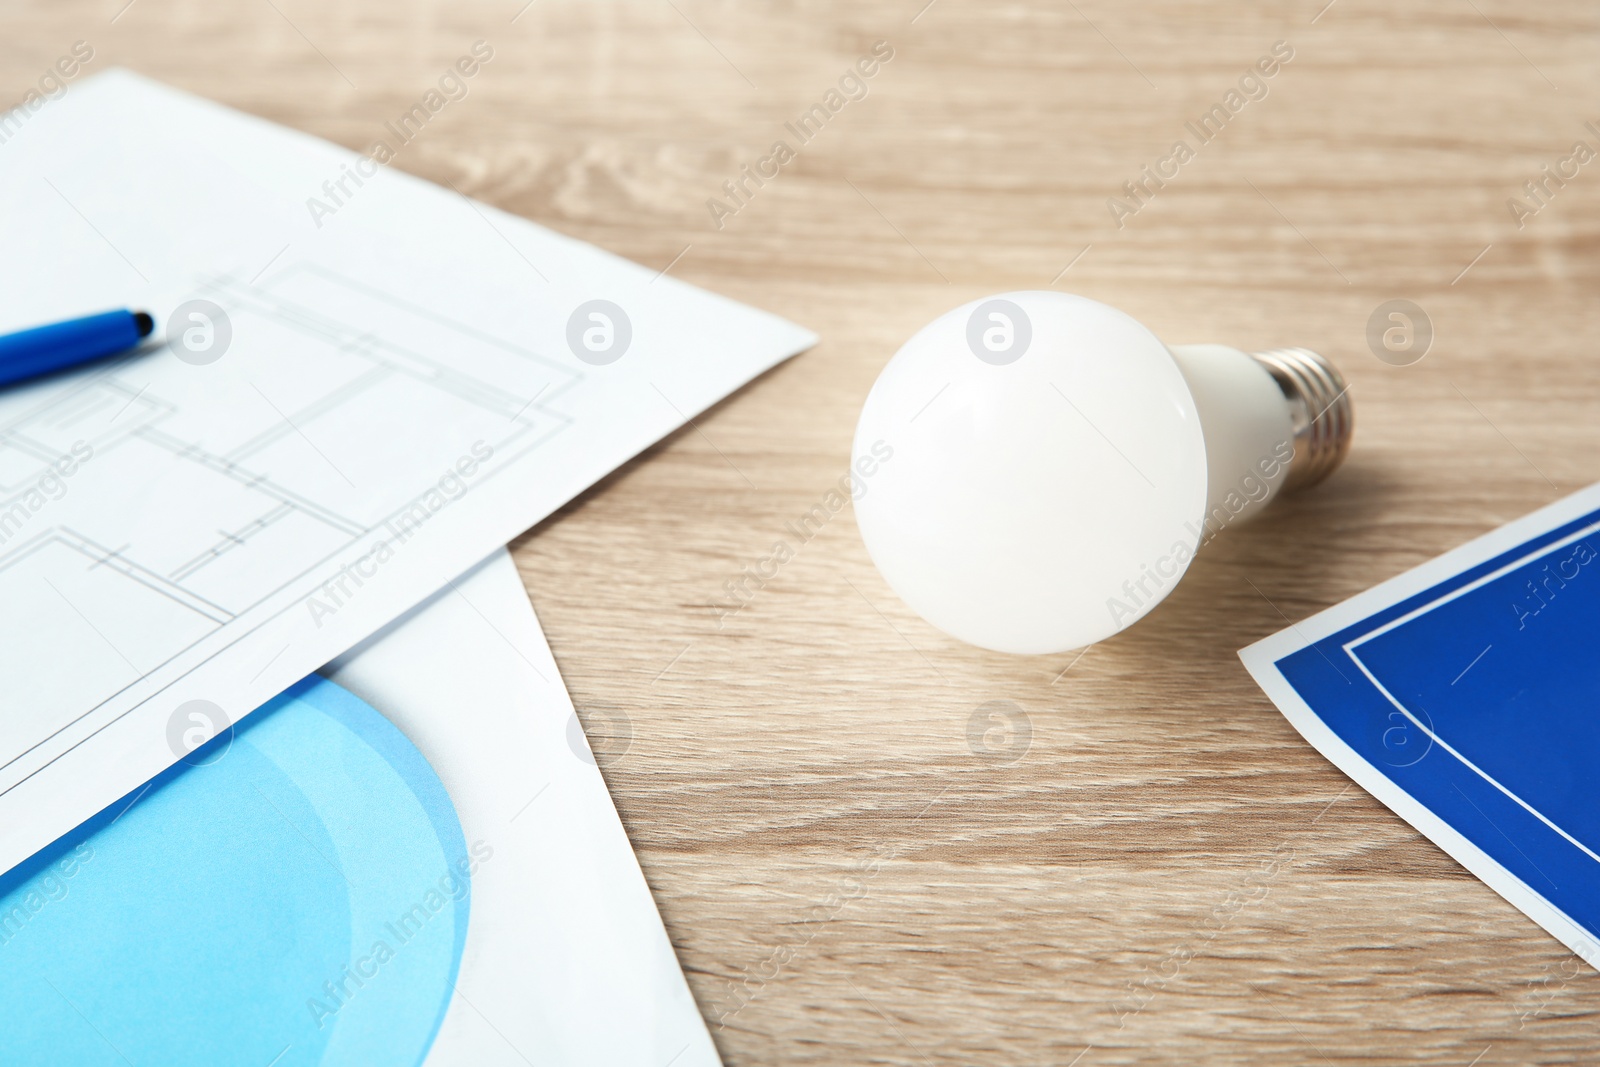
column 29, row 353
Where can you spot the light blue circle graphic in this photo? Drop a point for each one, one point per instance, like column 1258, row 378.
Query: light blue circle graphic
column 301, row 900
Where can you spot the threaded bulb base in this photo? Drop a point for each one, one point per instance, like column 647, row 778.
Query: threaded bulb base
column 1321, row 412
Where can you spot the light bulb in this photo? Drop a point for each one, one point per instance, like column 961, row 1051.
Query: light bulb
column 1043, row 468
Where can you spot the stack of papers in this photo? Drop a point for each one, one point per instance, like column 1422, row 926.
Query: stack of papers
column 350, row 412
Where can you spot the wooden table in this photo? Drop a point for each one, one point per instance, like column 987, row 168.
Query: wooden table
column 1157, row 868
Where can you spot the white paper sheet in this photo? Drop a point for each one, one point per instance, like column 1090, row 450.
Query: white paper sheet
column 566, row 960
column 399, row 397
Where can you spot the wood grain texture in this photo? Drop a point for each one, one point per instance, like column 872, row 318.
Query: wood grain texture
column 1167, row 872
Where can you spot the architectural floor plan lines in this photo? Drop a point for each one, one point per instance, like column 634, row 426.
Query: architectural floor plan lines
column 97, row 555
column 349, row 391
column 358, row 339
column 227, row 514
column 228, row 540
column 312, row 269
column 253, row 480
column 386, row 408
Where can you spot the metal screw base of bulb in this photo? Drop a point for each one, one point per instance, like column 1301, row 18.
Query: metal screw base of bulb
column 1319, row 403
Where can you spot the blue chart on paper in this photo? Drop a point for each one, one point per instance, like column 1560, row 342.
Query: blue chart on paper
column 1480, row 697
column 299, row 892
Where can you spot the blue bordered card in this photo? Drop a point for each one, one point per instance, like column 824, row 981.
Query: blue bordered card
column 1465, row 695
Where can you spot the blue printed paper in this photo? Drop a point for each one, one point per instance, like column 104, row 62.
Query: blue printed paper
column 1466, row 696
column 298, row 895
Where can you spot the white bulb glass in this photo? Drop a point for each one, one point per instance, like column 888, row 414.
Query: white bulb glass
column 1047, row 475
